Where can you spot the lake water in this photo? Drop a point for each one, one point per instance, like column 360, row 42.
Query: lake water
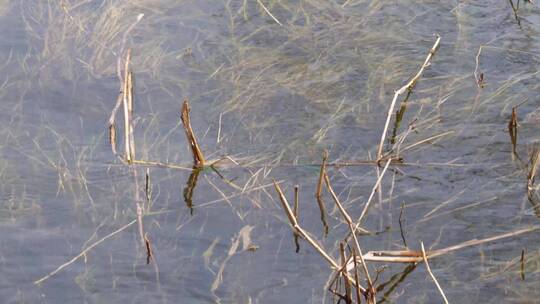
column 271, row 90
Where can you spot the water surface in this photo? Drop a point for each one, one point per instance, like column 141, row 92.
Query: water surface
column 272, row 97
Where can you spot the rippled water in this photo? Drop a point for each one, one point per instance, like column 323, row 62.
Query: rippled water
column 272, row 97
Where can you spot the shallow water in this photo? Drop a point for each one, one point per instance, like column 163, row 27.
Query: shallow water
column 273, row 98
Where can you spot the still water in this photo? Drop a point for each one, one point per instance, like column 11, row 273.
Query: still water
column 270, row 87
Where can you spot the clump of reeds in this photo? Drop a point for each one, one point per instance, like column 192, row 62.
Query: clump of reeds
column 352, row 281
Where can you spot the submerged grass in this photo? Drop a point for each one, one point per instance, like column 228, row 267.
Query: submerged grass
column 272, row 84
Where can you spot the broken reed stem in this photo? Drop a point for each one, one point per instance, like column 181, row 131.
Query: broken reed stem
column 127, row 113
column 306, row 236
column 301, row 232
column 431, row 273
column 318, row 193
column 130, row 106
column 198, row 158
column 353, row 232
column 409, row 86
column 112, row 118
column 412, row 256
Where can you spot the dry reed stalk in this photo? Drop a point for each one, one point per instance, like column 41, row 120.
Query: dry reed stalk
column 373, row 190
column 127, row 118
column 130, row 108
column 409, row 86
column 301, row 232
column 198, row 158
column 431, row 273
column 412, row 256
column 294, row 223
column 371, row 290
column 112, row 117
column 318, row 193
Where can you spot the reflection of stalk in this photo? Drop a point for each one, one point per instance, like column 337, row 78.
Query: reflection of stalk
column 399, row 117
column 198, row 158
column 318, row 194
column 295, row 212
column 394, row 281
column 190, row 187
column 513, row 131
column 531, row 176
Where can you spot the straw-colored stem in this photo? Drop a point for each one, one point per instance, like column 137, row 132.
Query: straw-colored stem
column 198, row 158
column 409, row 86
column 353, row 232
column 373, row 190
column 301, row 232
column 130, row 107
column 125, row 102
column 431, row 273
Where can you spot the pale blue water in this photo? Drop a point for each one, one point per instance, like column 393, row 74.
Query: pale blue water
column 323, row 80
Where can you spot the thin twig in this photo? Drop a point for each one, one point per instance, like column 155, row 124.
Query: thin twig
column 352, row 230
column 373, row 190
column 268, row 12
column 84, row 252
column 403, row 89
column 431, row 273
